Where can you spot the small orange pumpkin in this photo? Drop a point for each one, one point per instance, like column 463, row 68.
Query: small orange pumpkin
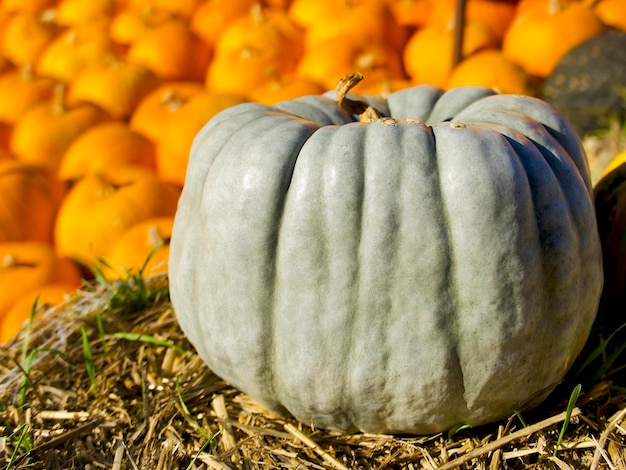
column 32, row 6
column 173, row 146
column 537, row 39
column 80, row 12
column 99, row 208
column 414, row 13
column 171, row 51
column 371, row 20
column 48, row 297
column 130, row 23
column 376, row 60
column 179, row 8
column 117, row 86
column 27, row 266
column 45, row 132
column 212, row 17
column 72, row 50
column 428, row 53
column 496, row 15
column 611, row 12
column 25, row 36
column 286, row 88
column 104, row 148
column 30, row 198
column 143, row 245
column 20, row 90
column 254, row 49
column 152, row 115
column 491, row 69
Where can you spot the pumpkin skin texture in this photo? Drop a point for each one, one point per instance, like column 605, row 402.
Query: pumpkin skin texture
column 399, row 276
column 610, row 206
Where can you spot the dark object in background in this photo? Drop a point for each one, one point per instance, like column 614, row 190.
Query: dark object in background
column 589, row 83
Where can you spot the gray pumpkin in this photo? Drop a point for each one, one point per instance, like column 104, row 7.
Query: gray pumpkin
column 437, row 267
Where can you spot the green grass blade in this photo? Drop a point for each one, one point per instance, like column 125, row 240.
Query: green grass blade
column 568, row 414
column 151, row 340
column 454, row 430
column 18, row 445
column 101, row 333
column 521, row 419
column 89, row 364
column 598, row 351
column 187, row 413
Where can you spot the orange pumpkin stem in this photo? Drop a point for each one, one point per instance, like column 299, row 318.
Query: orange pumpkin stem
column 554, row 7
column 366, row 112
column 8, row 261
column 58, row 99
column 154, row 237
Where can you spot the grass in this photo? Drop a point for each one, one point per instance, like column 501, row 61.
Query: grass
column 105, row 384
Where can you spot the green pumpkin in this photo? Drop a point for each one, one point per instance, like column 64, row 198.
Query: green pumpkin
column 435, row 267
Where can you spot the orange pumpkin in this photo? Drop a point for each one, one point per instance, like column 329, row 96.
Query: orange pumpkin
column 256, row 48
column 496, row 15
column 179, row 8
column 538, row 38
column 143, row 245
column 129, row 24
column 45, row 132
column 5, row 139
column 173, row 146
column 414, row 13
column 32, row 6
column 104, row 148
column 153, row 113
column 25, row 36
column 20, row 90
column 286, row 88
column 371, row 20
column 428, row 54
column 384, row 86
column 376, row 60
column 72, row 50
column 117, row 86
column 27, row 266
column 171, row 51
column 491, row 69
column 30, row 198
column 48, row 297
column 81, row 12
column 611, row 12
column 99, row 208
column 212, row 17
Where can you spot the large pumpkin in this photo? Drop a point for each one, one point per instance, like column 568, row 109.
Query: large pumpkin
column 438, row 266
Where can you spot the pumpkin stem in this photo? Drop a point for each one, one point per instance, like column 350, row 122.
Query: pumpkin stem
column 8, row 261
column 58, row 99
column 154, row 237
column 366, row 112
column 554, row 6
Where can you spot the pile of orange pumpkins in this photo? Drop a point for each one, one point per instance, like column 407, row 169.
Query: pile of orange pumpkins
column 100, row 100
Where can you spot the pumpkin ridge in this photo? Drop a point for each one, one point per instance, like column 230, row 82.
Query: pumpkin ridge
column 272, row 331
column 245, row 187
column 449, row 275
